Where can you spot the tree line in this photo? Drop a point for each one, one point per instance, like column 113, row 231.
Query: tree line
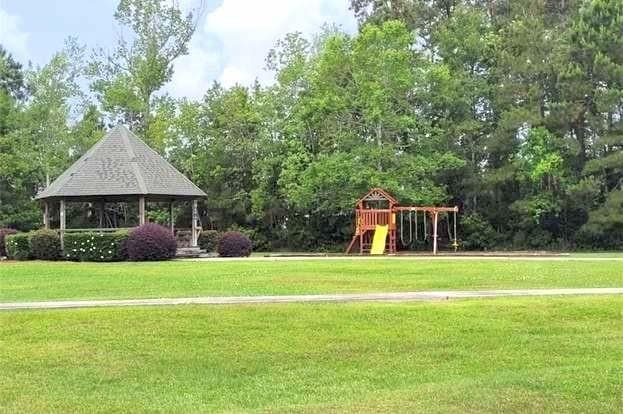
column 509, row 109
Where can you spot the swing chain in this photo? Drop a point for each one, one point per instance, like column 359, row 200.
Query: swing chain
column 410, row 228
column 402, row 224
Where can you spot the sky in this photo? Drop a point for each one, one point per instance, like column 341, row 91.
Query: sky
column 230, row 44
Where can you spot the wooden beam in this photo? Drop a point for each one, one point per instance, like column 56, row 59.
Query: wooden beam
column 429, row 209
column 351, row 244
column 141, row 211
column 63, row 223
column 361, row 242
column 195, row 217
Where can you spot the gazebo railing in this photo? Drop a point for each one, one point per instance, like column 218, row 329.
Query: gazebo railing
column 195, row 223
column 198, row 230
column 94, row 230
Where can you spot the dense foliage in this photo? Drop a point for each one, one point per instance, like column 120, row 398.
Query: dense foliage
column 18, row 246
column 208, row 240
column 96, row 247
column 45, row 245
column 3, row 234
column 234, row 244
column 151, row 242
column 511, row 110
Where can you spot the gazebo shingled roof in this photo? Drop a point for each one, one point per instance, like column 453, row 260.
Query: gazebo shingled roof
column 121, row 165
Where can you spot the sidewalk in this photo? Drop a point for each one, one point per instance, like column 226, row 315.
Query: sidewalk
column 340, row 297
column 441, row 257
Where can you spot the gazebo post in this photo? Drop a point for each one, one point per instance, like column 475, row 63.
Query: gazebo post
column 193, row 239
column 46, row 215
column 62, row 226
column 141, row 210
column 171, row 222
column 101, row 214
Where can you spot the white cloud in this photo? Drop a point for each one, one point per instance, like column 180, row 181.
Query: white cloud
column 237, row 35
column 194, row 72
column 232, row 75
column 12, row 38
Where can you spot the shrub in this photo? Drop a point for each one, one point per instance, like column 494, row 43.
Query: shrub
column 3, row 234
column 45, row 245
column 234, row 244
column 18, row 246
column 96, row 247
column 477, row 233
column 151, row 242
column 208, row 240
column 259, row 240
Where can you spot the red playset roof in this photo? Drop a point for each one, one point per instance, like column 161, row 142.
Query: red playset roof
column 377, row 194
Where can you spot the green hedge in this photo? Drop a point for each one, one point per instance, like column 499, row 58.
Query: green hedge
column 45, row 245
column 18, row 246
column 208, row 240
column 3, row 234
column 96, row 247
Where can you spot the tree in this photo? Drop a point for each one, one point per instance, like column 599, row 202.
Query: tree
column 16, row 173
column 38, row 140
column 126, row 80
column 594, row 93
column 510, row 110
column 218, row 149
column 54, row 96
column 11, row 75
column 86, row 132
column 355, row 125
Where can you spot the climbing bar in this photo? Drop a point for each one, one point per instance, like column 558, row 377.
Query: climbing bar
column 426, row 209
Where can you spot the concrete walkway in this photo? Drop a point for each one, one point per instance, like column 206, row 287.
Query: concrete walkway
column 342, row 297
column 442, row 257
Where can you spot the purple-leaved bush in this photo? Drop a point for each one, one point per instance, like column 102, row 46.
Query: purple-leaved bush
column 151, row 242
column 234, row 244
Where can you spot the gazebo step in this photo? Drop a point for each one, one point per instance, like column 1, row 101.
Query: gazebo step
column 189, row 252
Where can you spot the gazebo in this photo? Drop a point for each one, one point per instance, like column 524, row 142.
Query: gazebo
column 121, row 168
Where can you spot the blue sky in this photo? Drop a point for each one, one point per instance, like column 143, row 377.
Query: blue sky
column 231, row 42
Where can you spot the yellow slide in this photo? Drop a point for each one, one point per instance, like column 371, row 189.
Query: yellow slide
column 378, row 241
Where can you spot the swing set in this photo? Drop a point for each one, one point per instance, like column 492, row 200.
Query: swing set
column 377, row 230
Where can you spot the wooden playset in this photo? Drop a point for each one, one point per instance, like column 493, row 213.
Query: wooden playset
column 377, row 230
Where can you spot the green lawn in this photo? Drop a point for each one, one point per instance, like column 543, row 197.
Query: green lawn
column 62, row 280
column 496, row 355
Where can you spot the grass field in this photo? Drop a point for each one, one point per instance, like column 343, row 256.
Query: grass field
column 512, row 355
column 497, row 355
column 21, row 281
